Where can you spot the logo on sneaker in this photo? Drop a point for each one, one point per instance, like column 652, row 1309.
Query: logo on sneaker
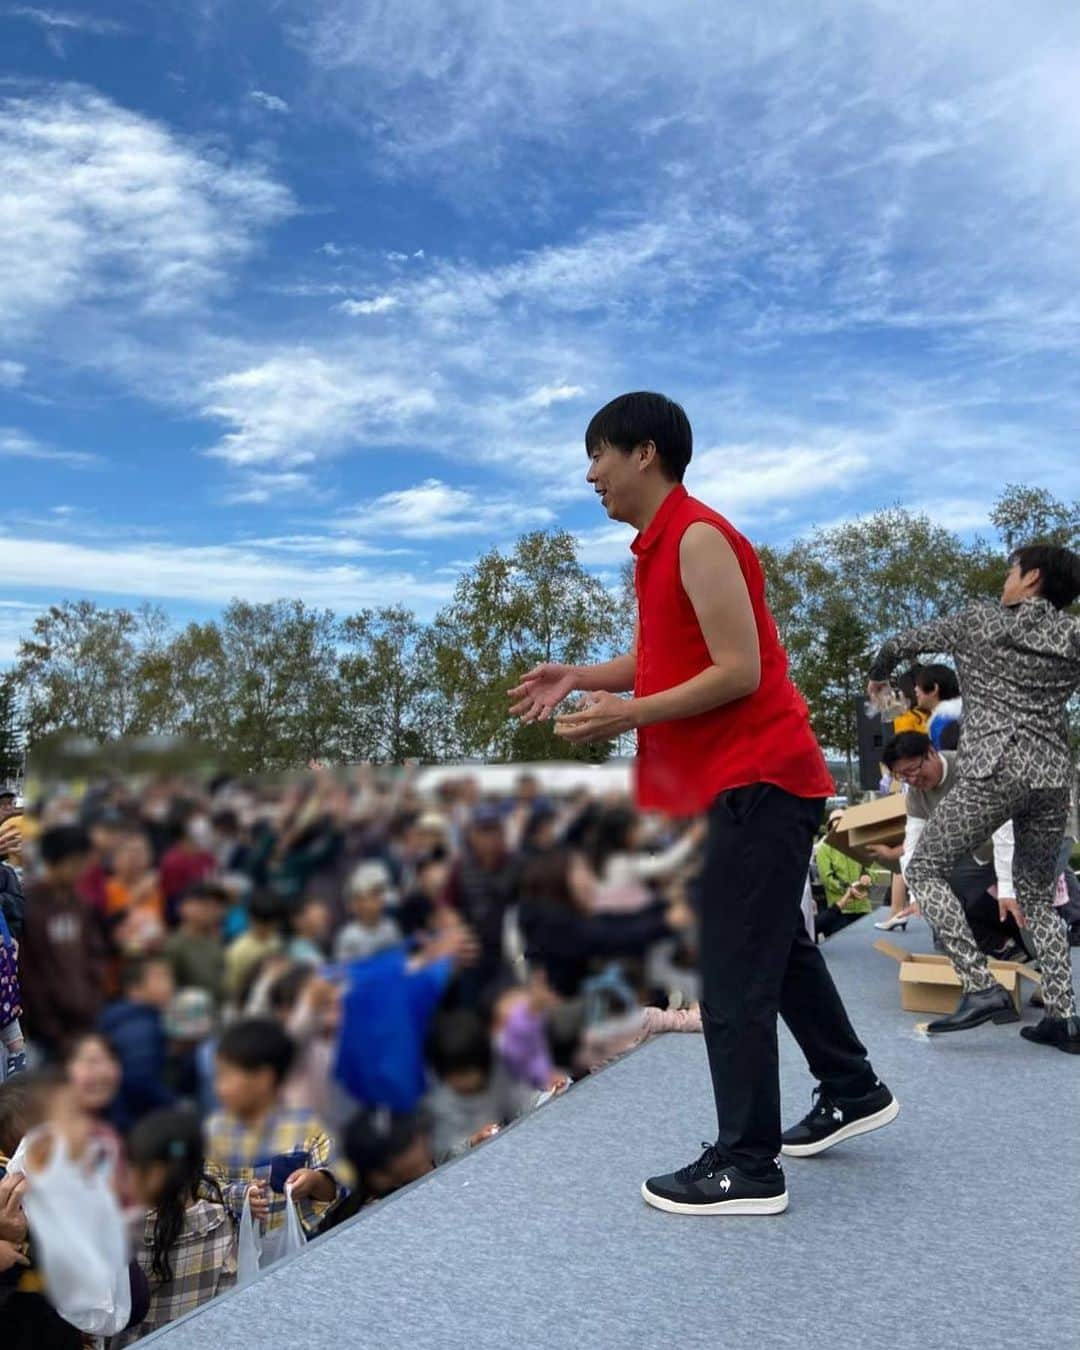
column 837, row 1114
column 725, row 1182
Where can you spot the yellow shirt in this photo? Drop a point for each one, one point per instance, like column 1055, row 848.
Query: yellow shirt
column 915, row 720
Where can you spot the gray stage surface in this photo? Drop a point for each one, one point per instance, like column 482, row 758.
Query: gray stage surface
column 955, row 1226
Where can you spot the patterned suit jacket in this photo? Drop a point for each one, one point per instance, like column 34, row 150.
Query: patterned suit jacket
column 1018, row 667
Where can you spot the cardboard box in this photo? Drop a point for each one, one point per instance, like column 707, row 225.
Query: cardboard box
column 928, row 982
column 881, row 821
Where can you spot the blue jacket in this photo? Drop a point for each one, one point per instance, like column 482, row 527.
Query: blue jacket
column 138, row 1033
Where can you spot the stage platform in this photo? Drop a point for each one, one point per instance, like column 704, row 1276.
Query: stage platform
column 955, row 1226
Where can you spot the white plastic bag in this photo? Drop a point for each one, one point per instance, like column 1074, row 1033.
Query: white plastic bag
column 256, row 1252
column 79, row 1233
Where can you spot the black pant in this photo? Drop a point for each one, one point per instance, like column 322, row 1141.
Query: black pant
column 757, row 960
column 831, row 920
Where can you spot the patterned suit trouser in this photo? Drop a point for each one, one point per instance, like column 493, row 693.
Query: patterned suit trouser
column 965, row 819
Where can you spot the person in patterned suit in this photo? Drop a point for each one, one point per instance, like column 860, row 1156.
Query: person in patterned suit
column 1019, row 664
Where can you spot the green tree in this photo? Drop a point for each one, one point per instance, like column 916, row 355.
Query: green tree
column 279, row 672
column 1031, row 515
column 509, row 612
column 387, row 709
column 11, row 731
column 84, row 668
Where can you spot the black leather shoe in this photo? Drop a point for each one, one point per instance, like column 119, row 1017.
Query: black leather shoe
column 981, row 1005
column 1061, row 1032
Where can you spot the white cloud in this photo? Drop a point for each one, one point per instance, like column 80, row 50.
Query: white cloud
column 12, row 373
column 380, row 304
column 293, row 407
column 15, row 444
column 209, row 575
column 436, row 510
column 548, row 394
column 60, row 21
column 262, row 489
column 271, row 102
column 105, row 207
column 744, row 478
column 330, row 249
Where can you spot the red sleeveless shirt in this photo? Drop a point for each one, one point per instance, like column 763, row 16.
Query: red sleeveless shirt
column 763, row 738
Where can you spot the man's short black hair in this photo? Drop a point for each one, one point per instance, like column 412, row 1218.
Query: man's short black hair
column 258, row 1043
column 633, row 419
column 908, row 745
column 943, row 678
column 63, row 842
column 1058, row 568
column 459, row 1040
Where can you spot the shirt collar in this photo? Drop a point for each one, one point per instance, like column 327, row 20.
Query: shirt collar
column 655, row 529
column 944, row 769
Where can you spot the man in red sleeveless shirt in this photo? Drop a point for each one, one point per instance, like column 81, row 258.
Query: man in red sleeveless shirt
column 721, row 728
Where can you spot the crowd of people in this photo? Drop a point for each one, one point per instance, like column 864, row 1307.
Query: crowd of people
column 309, row 993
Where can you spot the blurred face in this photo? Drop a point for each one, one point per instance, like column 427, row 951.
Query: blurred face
column 157, row 987
column 202, row 914
column 69, row 871
column 368, row 906
column 243, row 1092
column 413, row 1163
column 132, row 856
column 467, row 1082
column 433, row 879
column 148, row 1181
column 94, row 1076
column 314, row 921
column 923, row 773
column 487, row 843
column 927, row 699
column 8, row 808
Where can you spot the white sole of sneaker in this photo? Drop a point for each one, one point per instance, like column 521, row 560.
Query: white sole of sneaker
column 773, row 1204
column 885, row 1116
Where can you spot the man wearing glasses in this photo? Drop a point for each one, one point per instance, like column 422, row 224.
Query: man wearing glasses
column 930, row 774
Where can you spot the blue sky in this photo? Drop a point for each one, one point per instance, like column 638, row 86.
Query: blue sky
column 315, row 299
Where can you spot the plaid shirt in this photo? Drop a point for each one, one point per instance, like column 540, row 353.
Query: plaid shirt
column 237, row 1154
column 203, row 1266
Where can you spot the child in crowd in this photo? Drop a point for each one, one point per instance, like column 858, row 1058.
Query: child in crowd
column 386, row 1150
column 521, row 1034
column 473, row 1095
column 256, row 1141
column 371, row 930
column 266, row 914
column 310, row 925
column 187, row 1247
column 12, row 1044
column 134, row 905
column 135, row 1027
column 195, row 951
column 623, row 871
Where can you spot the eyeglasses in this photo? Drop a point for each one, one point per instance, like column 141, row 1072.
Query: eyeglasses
column 910, row 775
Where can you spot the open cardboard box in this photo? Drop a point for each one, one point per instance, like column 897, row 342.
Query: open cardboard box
column 928, row 982
column 881, row 821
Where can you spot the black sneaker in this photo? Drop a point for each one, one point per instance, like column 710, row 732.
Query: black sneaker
column 712, row 1186
column 831, row 1121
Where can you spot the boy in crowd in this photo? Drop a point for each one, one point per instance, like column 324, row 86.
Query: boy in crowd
column 196, row 951
column 266, row 914
column 135, row 1026
column 62, row 957
column 254, row 1140
column 1019, row 665
column 371, row 929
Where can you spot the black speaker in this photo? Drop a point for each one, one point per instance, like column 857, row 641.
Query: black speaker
column 873, row 734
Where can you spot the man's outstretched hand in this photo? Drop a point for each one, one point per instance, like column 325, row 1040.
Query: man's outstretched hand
column 605, row 717
column 541, row 691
